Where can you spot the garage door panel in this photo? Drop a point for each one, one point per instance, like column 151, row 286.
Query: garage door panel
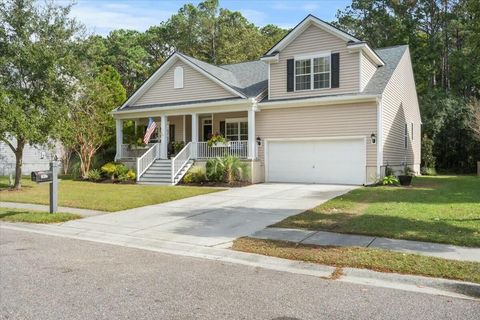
column 317, row 161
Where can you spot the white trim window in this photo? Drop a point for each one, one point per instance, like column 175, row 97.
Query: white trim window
column 405, row 134
column 411, row 125
column 178, row 78
column 236, row 129
column 313, row 72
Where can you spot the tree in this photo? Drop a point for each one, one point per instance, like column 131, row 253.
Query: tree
column 98, row 94
column 35, row 73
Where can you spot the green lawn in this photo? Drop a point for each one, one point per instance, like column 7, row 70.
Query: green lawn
column 444, row 209
column 99, row 196
column 354, row 257
column 19, row 215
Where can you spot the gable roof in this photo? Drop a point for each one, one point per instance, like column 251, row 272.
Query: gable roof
column 391, row 56
column 302, row 26
column 309, row 20
column 244, row 80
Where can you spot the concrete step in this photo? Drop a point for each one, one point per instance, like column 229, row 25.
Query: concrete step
column 144, row 179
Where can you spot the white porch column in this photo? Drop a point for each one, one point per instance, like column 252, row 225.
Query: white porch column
column 164, row 135
column 194, row 135
column 119, row 138
column 251, row 134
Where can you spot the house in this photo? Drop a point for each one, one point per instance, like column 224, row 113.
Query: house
column 321, row 106
column 35, row 157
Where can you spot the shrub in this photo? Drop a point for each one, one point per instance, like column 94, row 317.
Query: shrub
column 121, row 170
column 215, row 170
column 428, row 159
column 390, row 180
column 94, row 175
column 131, row 175
column 227, row 169
column 110, row 169
column 196, row 174
column 428, row 171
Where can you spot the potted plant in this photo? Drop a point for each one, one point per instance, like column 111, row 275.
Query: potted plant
column 406, row 177
column 217, row 140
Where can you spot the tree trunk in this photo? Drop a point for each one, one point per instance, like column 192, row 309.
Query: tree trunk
column 19, row 163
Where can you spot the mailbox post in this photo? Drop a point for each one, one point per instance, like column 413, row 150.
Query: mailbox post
column 50, row 177
column 54, row 187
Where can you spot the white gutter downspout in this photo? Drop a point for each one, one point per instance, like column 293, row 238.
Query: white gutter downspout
column 379, row 136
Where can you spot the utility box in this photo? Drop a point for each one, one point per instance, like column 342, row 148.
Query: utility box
column 42, row 176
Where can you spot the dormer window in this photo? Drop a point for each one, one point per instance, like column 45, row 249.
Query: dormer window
column 178, row 78
column 318, row 77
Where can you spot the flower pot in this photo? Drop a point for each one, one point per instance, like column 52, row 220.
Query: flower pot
column 405, row 180
column 221, row 145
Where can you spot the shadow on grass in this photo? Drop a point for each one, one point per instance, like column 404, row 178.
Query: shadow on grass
column 10, row 213
column 389, row 226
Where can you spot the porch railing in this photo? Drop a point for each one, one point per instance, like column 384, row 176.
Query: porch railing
column 234, row 148
column 147, row 159
column 180, row 160
column 127, row 151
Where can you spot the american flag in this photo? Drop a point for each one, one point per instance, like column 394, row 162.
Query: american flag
column 152, row 125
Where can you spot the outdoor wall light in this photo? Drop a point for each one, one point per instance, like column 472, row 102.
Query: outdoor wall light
column 373, row 137
column 259, row 141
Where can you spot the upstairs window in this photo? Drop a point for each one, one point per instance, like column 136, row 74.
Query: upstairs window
column 313, row 73
column 303, row 74
column 178, row 78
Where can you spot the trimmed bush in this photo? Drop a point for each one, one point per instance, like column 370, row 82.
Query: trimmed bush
column 110, row 169
column 196, row 174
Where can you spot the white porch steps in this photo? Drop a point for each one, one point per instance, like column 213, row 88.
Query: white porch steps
column 160, row 172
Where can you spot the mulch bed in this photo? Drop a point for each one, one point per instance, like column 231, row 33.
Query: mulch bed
column 236, row 184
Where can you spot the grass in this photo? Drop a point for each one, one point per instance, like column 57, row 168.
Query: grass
column 373, row 259
column 18, row 215
column 99, row 196
column 443, row 209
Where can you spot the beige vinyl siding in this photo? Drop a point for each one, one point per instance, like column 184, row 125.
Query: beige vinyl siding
column 367, row 69
column 315, row 40
column 400, row 106
column 178, row 122
column 196, row 86
column 317, row 122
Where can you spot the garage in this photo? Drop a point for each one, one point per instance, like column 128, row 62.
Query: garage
column 321, row 160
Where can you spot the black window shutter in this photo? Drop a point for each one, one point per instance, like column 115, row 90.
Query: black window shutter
column 222, row 128
column 335, row 70
column 290, row 74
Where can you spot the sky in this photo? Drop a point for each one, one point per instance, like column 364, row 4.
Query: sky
column 102, row 16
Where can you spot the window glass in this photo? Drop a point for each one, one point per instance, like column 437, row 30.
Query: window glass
column 232, row 131
column 236, row 131
column 243, row 130
column 321, row 72
column 302, row 74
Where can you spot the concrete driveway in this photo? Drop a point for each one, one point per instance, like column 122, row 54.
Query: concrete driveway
column 213, row 219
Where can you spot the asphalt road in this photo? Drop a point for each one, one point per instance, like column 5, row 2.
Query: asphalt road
column 45, row 277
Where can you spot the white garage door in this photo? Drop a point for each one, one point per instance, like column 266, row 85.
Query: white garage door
column 340, row 161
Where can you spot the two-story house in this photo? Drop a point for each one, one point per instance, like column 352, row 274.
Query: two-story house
column 320, row 106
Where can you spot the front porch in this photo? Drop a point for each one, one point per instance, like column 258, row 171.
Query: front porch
column 179, row 140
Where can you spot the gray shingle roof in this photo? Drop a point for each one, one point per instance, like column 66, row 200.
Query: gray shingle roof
column 249, row 78
column 391, row 56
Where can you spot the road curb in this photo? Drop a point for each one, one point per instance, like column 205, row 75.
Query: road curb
column 434, row 286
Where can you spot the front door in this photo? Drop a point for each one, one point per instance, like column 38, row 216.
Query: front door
column 207, row 129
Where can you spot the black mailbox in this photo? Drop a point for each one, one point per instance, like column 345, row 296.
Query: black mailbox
column 42, row 176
